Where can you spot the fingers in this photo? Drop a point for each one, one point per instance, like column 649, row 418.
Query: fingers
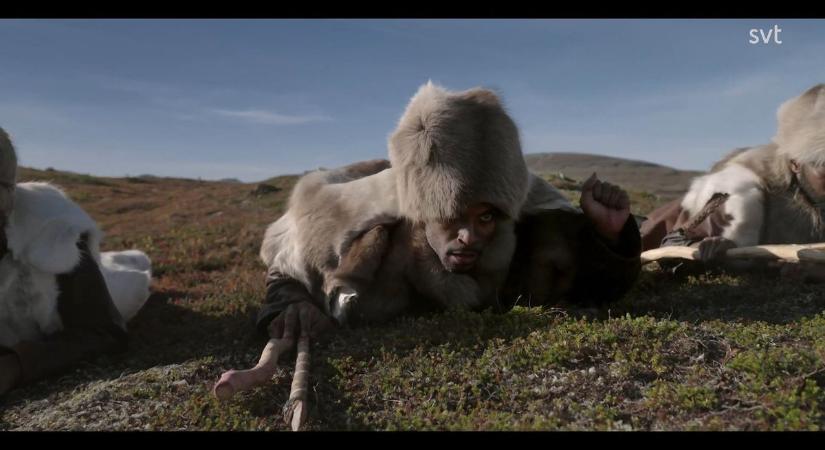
column 704, row 251
column 276, row 327
column 290, row 319
column 304, row 312
column 300, row 318
column 590, row 183
column 609, row 195
column 707, row 249
column 714, row 247
column 598, row 191
column 624, row 200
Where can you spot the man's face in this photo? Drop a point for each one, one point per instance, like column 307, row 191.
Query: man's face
column 459, row 243
column 813, row 179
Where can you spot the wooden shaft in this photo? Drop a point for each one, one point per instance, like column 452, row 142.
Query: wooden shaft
column 295, row 409
column 788, row 252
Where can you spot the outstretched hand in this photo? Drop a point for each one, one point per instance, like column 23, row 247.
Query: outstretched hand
column 714, row 247
column 299, row 322
column 607, row 206
column 300, row 319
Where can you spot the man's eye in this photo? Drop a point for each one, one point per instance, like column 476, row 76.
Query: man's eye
column 486, row 217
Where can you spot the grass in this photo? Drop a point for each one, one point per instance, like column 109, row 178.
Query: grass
column 702, row 352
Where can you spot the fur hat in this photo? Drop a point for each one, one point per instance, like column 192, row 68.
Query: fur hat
column 454, row 149
column 801, row 131
column 8, row 172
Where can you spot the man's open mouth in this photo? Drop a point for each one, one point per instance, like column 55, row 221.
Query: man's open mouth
column 462, row 258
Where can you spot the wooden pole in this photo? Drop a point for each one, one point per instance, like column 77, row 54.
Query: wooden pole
column 295, row 410
column 788, row 252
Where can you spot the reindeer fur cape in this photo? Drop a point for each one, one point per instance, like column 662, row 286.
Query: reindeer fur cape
column 42, row 231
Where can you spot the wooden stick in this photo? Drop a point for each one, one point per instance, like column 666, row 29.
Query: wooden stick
column 295, row 410
column 234, row 381
column 789, row 252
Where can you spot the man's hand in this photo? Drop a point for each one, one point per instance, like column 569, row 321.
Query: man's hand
column 303, row 318
column 9, row 372
column 711, row 248
column 607, row 206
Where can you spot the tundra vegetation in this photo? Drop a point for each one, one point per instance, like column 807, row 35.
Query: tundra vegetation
column 703, row 352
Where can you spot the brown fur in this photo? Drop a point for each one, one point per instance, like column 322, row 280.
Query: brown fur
column 447, row 148
column 328, row 237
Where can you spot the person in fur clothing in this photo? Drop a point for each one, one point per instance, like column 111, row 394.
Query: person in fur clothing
column 454, row 203
column 768, row 194
column 61, row 299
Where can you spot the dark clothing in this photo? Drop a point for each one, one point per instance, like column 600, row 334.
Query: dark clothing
column 91, row 324
column 559, row 256
column 281, row 291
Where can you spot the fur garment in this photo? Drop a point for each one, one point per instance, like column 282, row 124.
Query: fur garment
column 455, row 149
column 43, row 230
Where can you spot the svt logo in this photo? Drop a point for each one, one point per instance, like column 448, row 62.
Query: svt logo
column 765, row 38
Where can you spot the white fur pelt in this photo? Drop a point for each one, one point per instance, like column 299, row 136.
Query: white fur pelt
column 42, row 231
column 745, row 206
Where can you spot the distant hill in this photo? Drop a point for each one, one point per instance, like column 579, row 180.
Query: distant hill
column 650, row 184
column 665, row 182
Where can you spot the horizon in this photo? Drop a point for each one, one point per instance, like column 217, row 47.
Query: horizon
column 232, row 179
column 254, row 99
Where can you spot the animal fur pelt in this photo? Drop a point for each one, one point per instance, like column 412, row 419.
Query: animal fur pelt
column 453, row 149
column 766, row 205
column 43, row 230
column 801, row 131
column 330, row 209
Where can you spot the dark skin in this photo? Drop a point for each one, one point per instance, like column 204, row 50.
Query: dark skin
column 814, row 177
column 458, row 244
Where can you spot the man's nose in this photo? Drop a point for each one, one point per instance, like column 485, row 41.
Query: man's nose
column 466, row 235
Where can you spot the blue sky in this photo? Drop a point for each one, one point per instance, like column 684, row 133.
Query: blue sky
column 251, row 99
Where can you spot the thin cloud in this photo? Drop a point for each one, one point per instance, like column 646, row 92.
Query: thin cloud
column 269, row 117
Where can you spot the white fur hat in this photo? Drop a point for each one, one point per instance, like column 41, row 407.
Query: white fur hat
column 801, row 131
column 454, row 149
